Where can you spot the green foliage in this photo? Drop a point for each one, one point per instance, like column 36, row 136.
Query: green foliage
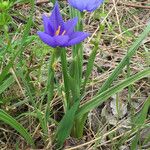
column 6, row 84
column 139, row 123
column 141, row 117
column 105, row 92
column 69, row 85
column 4, row 12
column 17, row 126
column 66, row 124
column 103, row 96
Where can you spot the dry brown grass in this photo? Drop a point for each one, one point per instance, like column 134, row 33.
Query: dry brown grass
column 122, row 21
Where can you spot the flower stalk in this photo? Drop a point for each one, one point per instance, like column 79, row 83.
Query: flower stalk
column 77, row 55
column 59, row 34
column 65, row 78
column 50, row 83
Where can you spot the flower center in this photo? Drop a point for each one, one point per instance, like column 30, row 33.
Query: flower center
column 58, row 31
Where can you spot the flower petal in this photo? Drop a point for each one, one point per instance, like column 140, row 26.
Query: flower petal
column 47, row 26
column 92, row 5
column 47, row 39
column 78, row 4
column 77, row 37
column 56, row 18
column 88, row 5
column 61, row 40
column 70, row 25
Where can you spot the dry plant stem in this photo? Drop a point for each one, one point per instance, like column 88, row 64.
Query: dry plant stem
column 36, row 130
column 42, row 1
column 92, row 141
column 101, row 23
column 130, row 29
column 117, row 16
column 118, row 126
column 117, row 137
column 138, row 90
column 134, row 5
column 15, row 77
column 129, row 90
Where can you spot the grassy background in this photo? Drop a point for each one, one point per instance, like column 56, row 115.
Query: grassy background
column 120, row 123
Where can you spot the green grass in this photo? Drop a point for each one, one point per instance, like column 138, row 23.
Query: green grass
column 60, row 88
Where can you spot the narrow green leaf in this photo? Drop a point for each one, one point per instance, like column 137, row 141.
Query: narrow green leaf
column 21, row 47
column 134, row 143
column 89, row 67
column 141, row 117
column 139, row 121
column 77, row 50
column 65, row 126
column 147, row 139
column 32, row 100
column 75, row 91
column 17, row 126
column 102, row 97
column 6, row 84
column 50, row 85
column 124, row 61
column 65, row 76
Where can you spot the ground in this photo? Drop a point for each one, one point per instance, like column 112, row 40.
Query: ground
column 109, row 126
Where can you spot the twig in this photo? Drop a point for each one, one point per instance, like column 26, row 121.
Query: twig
column 134, row 5
column 38, row 2
column 116, row 11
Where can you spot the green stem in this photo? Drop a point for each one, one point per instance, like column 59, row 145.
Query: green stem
column 77, row 70
column 78, row 127
column 89, row 67
column 32, row 100
column 123, row 63
column 50, row 84
column 77, row 52
column 53, row 1
column 80, row 55
column 67, row 104
column 130, row 90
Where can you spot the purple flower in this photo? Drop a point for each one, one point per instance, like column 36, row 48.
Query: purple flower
column 88, row 5
column 60, row 33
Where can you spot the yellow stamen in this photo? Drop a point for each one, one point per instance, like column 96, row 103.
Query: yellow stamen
column 63, row 32
column 58, row 31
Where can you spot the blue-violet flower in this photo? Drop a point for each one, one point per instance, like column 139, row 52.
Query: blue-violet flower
column 88, row 5
column 58, row 33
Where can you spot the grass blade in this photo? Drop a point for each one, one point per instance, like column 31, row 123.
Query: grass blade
column 89, row 67
column 102, row 97
column 66, row 124
column 134, row 143
column 21, row 46
column 16, row 125
column 32, row 100
column 141, row 117
column 7, row 83
column 65, row 77
column 124, row 61
column 139, row 121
